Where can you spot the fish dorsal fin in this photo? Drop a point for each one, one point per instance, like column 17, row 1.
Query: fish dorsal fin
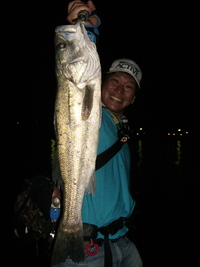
column 87, row 102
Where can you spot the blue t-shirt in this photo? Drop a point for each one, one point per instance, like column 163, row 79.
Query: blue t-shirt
column 93, row 32
column 112, row 198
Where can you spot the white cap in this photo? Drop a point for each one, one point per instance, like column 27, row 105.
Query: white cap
column 128, row 66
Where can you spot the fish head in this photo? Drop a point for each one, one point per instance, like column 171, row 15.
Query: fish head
column 73, row 51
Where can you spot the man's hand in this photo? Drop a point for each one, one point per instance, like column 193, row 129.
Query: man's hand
column 76, row 6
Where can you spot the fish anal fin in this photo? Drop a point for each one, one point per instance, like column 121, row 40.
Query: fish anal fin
column 91, row 187
column 87, row 102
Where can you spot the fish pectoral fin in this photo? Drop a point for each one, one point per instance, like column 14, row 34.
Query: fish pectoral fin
column 87, row 102
column 91, row 187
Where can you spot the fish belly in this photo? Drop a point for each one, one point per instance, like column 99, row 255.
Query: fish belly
column 77, row 141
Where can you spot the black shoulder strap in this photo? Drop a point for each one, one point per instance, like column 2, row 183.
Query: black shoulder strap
column 105, row 156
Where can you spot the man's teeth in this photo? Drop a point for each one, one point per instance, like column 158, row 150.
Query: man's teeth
column 115, row 98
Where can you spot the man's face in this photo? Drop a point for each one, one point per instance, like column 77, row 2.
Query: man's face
column 118, row 92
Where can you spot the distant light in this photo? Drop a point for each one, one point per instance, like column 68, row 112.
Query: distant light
column 174, row 134
column 17, row 122
column 179, row 130
column 186, row 132
column 181, row 134
column 140, row 129
column 168, row 134
column 137, row 133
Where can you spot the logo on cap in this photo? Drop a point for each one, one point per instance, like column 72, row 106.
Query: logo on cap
column 128, row 66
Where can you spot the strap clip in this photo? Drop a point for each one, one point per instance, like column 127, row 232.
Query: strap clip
column 92, row 249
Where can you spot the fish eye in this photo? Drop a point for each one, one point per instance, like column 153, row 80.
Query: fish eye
column 61, row 46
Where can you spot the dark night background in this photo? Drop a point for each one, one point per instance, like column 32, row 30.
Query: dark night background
column 163, row 38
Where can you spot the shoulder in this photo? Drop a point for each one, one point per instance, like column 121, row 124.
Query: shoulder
column 107, row 123
column 108, row 132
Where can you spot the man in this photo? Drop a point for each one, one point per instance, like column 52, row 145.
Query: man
column 112, row 203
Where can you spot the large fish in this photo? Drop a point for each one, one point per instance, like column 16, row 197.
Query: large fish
column 77, row 113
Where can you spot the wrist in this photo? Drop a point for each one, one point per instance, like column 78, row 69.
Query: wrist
column 93, row 31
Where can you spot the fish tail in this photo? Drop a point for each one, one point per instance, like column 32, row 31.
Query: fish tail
column 68, row 245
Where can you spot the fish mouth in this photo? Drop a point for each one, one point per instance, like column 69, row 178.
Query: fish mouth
column 70, row 30
column 76, row 60
column 116, row 98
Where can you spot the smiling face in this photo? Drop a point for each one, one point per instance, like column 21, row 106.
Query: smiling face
column 118, row 92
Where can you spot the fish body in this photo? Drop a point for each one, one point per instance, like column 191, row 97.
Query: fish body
column 77, row 119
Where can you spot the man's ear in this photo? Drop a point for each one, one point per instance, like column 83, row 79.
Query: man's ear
column 133, row 100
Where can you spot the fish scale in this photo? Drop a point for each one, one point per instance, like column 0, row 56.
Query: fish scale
column 77, row 120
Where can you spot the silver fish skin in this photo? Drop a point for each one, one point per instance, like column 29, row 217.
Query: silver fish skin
column 77, row 119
